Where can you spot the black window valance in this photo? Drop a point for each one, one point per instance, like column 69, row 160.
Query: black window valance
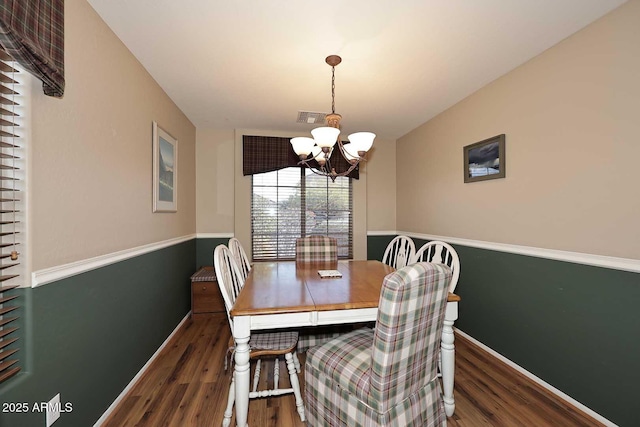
column 262, row 154
column 32, row 33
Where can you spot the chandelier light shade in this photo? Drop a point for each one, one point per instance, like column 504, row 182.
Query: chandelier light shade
column 362, row 141
column 302, row 145
column 315, row 152
column 325, row 137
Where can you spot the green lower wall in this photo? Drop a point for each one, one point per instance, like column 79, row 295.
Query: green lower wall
column 376, row 246
column 90, row 334
column 574, row 326
column 205, row 247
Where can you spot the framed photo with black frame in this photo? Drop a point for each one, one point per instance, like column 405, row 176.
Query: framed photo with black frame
column 485, row 159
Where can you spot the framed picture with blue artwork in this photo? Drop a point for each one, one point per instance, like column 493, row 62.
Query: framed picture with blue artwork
column 165, row 171
column 485, row 159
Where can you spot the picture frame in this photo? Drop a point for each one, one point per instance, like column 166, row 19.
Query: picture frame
column 485, row 159
column 165, row 171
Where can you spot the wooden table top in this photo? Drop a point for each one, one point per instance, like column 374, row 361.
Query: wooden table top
column 290, row 287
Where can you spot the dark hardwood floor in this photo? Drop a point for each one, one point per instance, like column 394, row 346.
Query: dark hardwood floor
column 187, row 386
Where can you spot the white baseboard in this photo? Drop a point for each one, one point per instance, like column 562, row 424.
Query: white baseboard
column 539, row 381
column 135, row 379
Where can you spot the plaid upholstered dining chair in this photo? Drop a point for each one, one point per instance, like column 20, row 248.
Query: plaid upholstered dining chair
column 385, row 376
column 316, row 248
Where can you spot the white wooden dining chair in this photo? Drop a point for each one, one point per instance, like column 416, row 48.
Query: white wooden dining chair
column 260, row 344
column 399, row 252
column 440, row 253
column 241, row 256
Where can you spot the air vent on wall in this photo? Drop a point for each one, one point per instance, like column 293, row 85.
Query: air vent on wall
column 309, row 117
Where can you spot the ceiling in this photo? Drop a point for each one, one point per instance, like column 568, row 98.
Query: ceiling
column 255, row 64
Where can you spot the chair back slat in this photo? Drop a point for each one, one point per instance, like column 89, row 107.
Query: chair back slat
column 408, row 331
column 442, row 253
column 399, row 252
column 241, row 256
column 230, row 280
column 316, row 248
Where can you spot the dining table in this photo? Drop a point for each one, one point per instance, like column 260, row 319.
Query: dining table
column 287, row 294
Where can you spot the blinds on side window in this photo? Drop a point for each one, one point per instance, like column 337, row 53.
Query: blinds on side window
column 10, row 149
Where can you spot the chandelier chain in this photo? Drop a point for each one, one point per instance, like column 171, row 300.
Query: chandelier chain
column 333, row 90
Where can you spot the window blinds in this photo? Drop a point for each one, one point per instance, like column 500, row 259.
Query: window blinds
column 293, row 202
column 10, row 148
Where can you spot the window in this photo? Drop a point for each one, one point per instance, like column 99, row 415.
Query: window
column 294, row 202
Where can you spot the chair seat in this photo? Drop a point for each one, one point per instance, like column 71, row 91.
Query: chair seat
column 346, row 361
column 272, row 343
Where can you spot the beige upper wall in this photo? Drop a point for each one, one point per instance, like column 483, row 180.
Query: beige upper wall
column 381, row 186
column 91, row 166
column 571, row 122
column 215, row 168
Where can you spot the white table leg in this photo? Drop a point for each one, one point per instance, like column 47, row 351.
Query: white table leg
column 448, row 357
column 241, row 334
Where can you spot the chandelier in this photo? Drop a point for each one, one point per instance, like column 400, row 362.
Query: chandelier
column 315, row 152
